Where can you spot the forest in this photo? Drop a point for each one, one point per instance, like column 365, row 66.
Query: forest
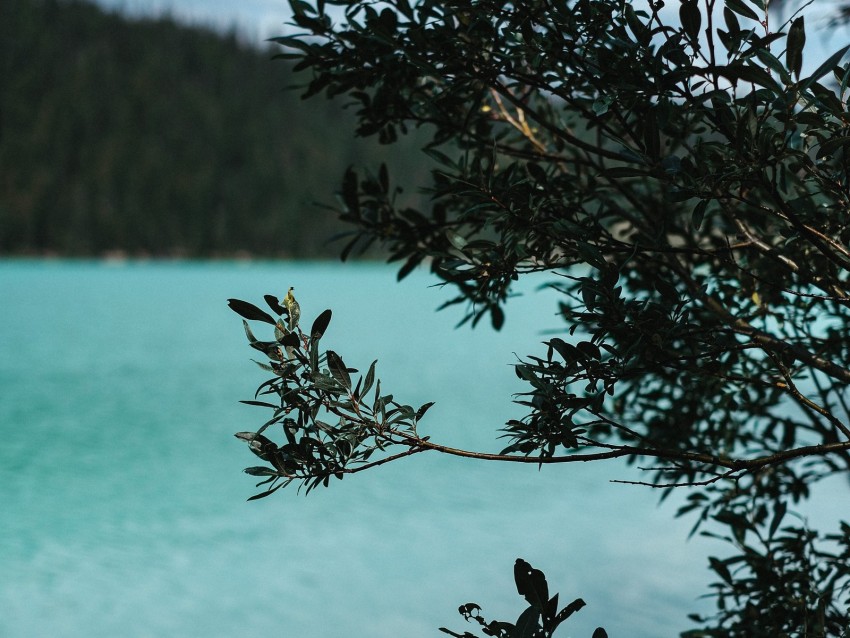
column 147, row 138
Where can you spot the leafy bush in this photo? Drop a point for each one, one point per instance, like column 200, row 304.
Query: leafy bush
column 685, row 184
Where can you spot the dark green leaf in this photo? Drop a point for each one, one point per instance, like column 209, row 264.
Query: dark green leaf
column 731, row 22
column 370, row 378
column 267, row 492
column 251, row 338
column 261, row 404
column 458, row 241
column 497, row 317
column 439, row 156
column 691, row 18
column 423, row 409
column 290, row 339
column 531, row 584
column 317, row 331
column 720, row 569
column 742, row 9
column 640, row 30
column 570, row 609
column 830, row 146
column 249, row 311
column 528, row 624
column 568, row 351
column 279, row 310
column 384, row 177
column 698, row 214
column 794, row 47
column 625, row 171
column 750, row 73
column 778, row 515
column 350, row 186
column 259, row 470
column 408, row 267
column 338, row 369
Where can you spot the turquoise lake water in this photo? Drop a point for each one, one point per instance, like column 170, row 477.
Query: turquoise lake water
column 123, row 501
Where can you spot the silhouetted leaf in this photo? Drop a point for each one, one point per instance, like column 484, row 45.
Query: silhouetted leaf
column 249, row 311
column 423, row 409
column 338, row 370
column 497, row 317
column 290, row 339
column 742, row 9
column 350, row 187
column 248, row 333
column 691, row 18
column 528, row 624
column 262, row 404
column 778, row 515
column 320, row 325
column 531, row 584
column 272, row 301
column 370, row 378
column 266, row 493
column 456, row 240
column 260, row 470
column 698, row 214
column 794, row 46
column 720, row 569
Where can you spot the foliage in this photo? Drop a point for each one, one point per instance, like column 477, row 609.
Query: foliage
column 150, row 137
column 541, row 618
column 308, row 385
column 683, row 179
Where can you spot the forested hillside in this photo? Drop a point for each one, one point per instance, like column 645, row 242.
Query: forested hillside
column 152, row 138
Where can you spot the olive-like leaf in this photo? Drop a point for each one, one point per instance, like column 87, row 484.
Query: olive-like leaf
column 251, row 338
column 742, row 9
column 528, row 624
column 370, row 378
column 290, row 339
column 691, row 18
column 497, row 317
column 259, row 470
column 249, row 311
column 338, row 369
column 698, row 214
column 267, row 492
column 778, row 515
column 531, row 584
column 273, row 303
column 458, row 241
column 794, row 50
column 350, row 186
column 423, row 409
column 320, row 325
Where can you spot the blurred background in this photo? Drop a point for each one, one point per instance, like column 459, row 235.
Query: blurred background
column 143, row 129
column 154, row 164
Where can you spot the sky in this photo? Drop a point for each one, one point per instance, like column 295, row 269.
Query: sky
column 255, row 20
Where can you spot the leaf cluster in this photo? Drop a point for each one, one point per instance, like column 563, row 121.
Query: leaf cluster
column 540, row 619
column 326, row 425
column 685, row 185
column 782, row 579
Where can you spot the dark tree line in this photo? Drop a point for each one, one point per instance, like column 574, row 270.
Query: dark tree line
column 154, row 138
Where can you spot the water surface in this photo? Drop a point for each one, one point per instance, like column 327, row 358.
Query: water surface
column 124, row 510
